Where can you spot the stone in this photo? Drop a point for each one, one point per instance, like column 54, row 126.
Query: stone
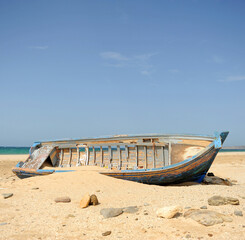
column 146, row 204
column 210, row 234
column 203, row 207
column 93, row 200
column 111, row 212
column 70, row 215
column 130, row 209
column 187, row 207
column 7, row 195
column 85, row 201
column 188, row 236
column 207, row 217
column 107, row 233
column 238, row 213
column 3, row 223
column 62, row 200
column 168, row 212
column 218, row 200
column 216, row 181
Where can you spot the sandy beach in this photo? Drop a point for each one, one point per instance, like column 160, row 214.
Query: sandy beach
column 31, row 213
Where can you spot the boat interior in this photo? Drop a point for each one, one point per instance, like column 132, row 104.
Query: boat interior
column 119, row 152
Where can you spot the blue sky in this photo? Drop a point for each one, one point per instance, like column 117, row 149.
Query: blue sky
column 72, row 69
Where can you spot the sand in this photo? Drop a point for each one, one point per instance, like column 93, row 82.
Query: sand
column 33, row 214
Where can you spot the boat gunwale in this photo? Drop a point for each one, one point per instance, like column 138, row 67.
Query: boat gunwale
column 167, row 137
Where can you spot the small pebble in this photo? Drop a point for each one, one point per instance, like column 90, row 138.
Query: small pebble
column 238, row 213
column 106, row 233
column 62, row 199
column 93, row 200
column 7, row 195
column 203, row 207
column 4, row 223
column 210, row 234
column 187, row 207
column 146, row 204
column 188, row 236
column 35, row 188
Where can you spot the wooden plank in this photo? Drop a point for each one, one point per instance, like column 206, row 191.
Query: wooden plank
column 145, row 149
column 169, row 153
column 78, row 157
column 163, row 157
column 61, row 157
column 70, row 157
column 153, row 156
column 126, row 155
column 110, row 154
column 94, row 152
column 136, row 156
column 123, row 144
column 87, row 156
column 110, row 157
column 119, row 158
column 102, row 157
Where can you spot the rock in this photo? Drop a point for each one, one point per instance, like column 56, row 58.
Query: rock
column 62, row 199
column 207, row 217
column 35, row 188
column 187, row 207
column 146, row 204
column 210, row 174
column 238, row 213
column 70, row 215
column 93, row 200
column 216, row 181
column 7, row 195
column 203, row 207
column 218, row 200
column 85, row 201
column 210, row 234
column 188, row 236
column 130, row 209
column 98, row 190
column 111, row 212
column 106, row 233
column 3, row 223
column 168, row 212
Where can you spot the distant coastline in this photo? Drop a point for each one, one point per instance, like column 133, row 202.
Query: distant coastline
column 25, row 150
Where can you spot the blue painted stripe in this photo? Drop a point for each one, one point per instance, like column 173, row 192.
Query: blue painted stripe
column 58, row 171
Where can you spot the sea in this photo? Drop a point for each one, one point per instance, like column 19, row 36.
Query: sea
column 14, row 150
column 25, row 150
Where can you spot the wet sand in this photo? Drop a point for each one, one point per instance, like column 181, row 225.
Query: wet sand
column 33, row 214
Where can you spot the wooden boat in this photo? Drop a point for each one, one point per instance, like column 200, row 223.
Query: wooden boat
column 153, row 159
